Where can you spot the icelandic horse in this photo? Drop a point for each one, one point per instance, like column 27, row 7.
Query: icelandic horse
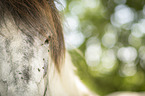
column 32, row 50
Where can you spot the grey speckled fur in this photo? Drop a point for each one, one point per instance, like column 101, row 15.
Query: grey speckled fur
column 23, row 63
column 25, row 67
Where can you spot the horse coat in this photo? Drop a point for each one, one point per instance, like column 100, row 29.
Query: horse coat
column 30, row 63
column 26, row 68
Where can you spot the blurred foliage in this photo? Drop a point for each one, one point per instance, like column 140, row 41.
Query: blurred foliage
column 111, row 56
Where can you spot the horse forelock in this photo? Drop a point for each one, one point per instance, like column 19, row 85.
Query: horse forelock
column 37, row 18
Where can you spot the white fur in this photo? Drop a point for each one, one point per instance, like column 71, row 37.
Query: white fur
column 23, row 67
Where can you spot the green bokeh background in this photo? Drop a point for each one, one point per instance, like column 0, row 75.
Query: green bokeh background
column 117, row 29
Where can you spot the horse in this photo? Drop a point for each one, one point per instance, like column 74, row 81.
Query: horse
column 32, row 50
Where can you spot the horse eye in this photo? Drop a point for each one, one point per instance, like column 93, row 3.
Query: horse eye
column 46, row 41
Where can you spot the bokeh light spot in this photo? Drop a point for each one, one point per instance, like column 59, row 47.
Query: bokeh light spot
column 109, row 40
column 123, row 15
column 127, row 54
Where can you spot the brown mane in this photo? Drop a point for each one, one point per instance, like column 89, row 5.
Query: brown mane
column 40, row 16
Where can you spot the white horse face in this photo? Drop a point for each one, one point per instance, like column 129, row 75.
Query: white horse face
column 23, row 63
